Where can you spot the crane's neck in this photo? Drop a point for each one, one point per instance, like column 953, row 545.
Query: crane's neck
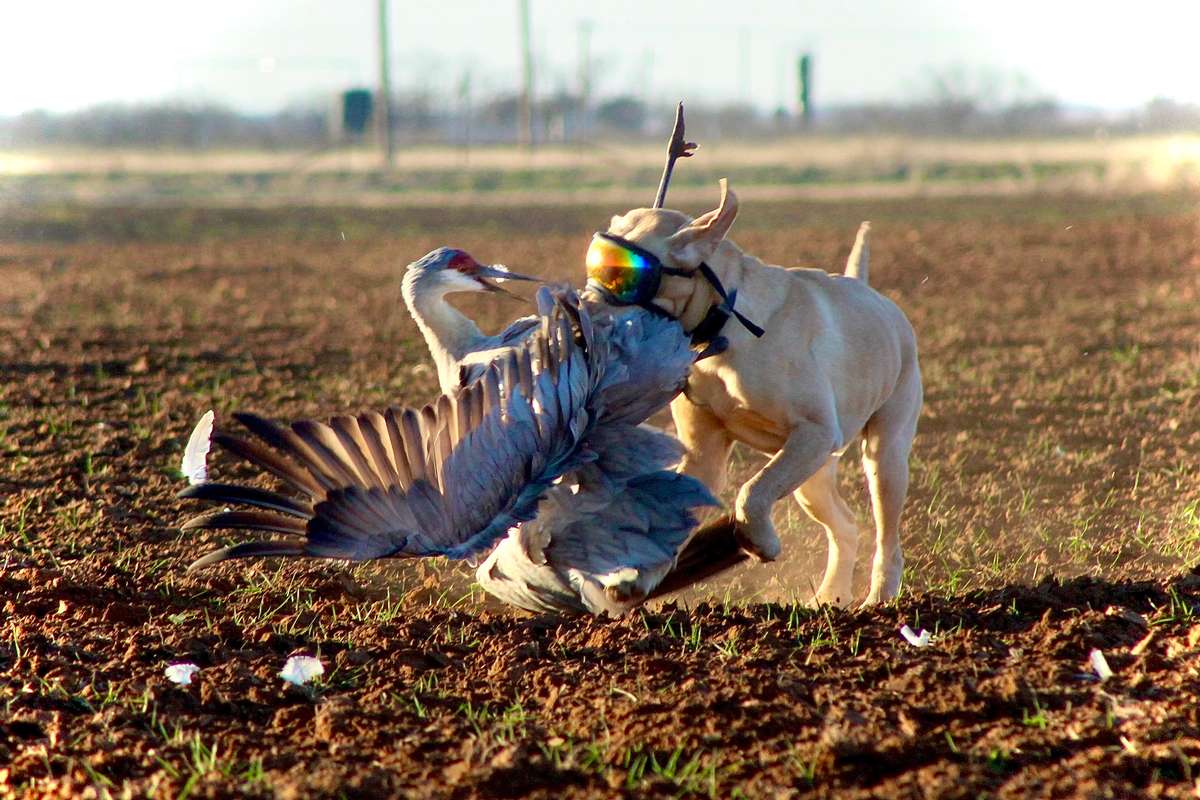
column 448, row 332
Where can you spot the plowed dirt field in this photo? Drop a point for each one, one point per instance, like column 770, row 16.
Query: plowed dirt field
column 1055, row 509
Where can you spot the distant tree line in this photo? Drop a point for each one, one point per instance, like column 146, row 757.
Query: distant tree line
column 164, row 125
column 563, row 117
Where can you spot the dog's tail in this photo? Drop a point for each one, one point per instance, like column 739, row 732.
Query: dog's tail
column 856, row 264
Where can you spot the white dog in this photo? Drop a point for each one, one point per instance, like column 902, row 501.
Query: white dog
column 837, row 360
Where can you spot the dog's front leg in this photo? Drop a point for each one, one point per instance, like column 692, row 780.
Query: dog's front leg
column 807, row 448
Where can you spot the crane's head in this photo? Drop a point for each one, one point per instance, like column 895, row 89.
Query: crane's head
column 457, row 271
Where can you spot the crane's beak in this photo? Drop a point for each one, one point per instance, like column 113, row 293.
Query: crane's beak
column 500, row 274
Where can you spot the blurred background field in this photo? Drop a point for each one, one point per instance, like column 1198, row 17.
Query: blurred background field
column 609, row 171
column 378, row 103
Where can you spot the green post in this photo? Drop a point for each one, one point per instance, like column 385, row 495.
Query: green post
column 804, row 88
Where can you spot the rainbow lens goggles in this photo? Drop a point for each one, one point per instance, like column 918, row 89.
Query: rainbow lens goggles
column 623, row 273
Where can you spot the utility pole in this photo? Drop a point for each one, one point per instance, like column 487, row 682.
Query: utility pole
column 647, row 70
column 585, row 76
column 744, row 64
column 464, row 110
column 385, row 88
column 525, row 134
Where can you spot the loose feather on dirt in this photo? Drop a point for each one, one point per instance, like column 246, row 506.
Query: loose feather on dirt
column 195, row 456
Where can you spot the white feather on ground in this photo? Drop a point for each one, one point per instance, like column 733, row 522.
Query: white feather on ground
column 195, row 456
column 1099, row 665
column 299, row 670
column 181, row 673
column 915, row 640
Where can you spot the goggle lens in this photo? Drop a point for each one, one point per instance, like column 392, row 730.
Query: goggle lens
column 626, row 275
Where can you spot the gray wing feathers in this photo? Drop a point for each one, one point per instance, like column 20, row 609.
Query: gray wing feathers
column 248, row 550
column 651, row 358
column 450, row 479
column 246, row 520
column 247, row 495
column 491, row 348
column 279, row 466
column 375, row 434
column 653, row 515
column 626, row 451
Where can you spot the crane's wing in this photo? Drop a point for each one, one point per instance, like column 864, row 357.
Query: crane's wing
column 647, row 364
column 448, row 480
column 592, row 550
column 475, row 364
column 649, row 360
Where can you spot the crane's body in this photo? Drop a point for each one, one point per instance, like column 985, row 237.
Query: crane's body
column 552, row 481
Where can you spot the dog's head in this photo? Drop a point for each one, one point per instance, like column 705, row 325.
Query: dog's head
column 682, row 243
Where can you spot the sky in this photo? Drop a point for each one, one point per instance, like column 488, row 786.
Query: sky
column 263, row 55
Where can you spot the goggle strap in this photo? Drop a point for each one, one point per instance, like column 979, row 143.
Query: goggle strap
column 728, row 300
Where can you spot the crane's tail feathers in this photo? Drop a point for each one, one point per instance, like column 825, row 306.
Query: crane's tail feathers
column 711, row 550
column 246, row 521
column 860, row 254
column 248, row 550
column 247, row 495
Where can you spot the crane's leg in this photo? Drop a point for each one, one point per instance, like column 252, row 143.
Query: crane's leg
column 706, row 443
column 887, row 442
column 819, row 497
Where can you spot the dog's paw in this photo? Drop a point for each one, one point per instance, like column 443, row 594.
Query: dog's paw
column 877, row 596
column 836, row 589
column 885, row 581
column 833, row 599
column 762, row 544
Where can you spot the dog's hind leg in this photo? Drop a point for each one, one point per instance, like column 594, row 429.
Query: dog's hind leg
column 819, row 497
column 887, row 442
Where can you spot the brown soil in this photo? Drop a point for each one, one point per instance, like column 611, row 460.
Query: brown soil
column 1059, row 343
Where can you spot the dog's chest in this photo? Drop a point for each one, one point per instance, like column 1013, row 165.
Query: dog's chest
column 708, row 389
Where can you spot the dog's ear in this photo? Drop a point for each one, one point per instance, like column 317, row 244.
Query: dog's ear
column 696, row 242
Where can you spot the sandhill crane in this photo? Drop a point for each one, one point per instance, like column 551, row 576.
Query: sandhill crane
column 552, row 481
column 461, row 352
